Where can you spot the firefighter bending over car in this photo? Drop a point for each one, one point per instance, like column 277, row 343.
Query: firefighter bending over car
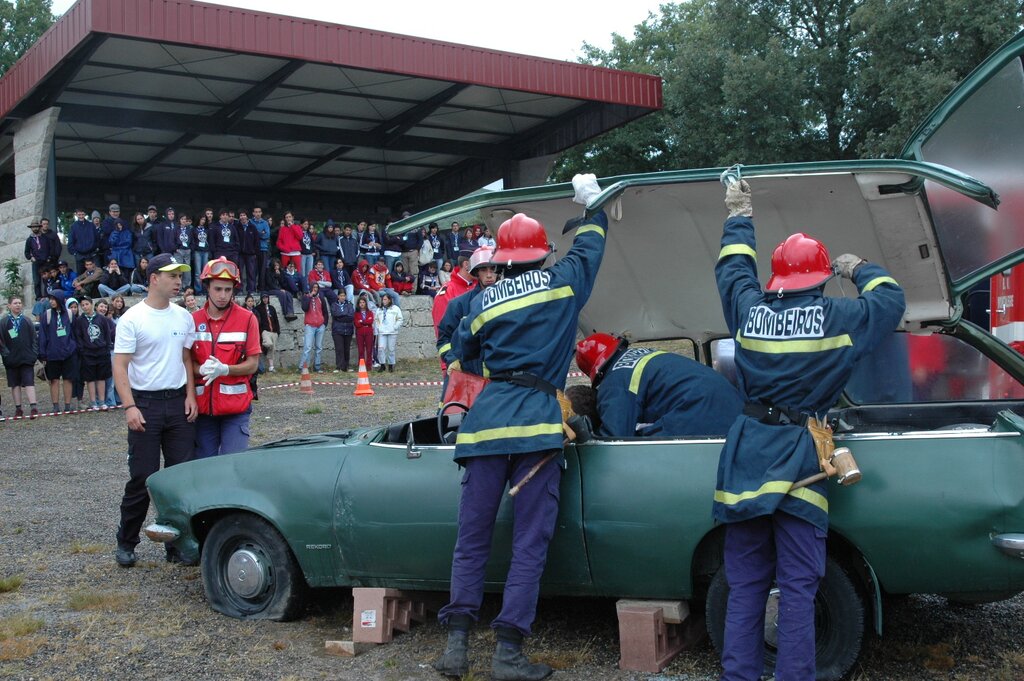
column 647, row 392
column 795, row 351
column 523, row 330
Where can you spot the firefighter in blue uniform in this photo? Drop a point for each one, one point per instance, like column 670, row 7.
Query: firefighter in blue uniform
column 523, row 330
column 486, row 274
column 647, row 392
column 795, row 351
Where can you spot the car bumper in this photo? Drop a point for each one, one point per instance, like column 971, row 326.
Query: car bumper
column 1010, row 544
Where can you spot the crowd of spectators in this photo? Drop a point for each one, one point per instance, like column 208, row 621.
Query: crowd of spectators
column 110, row 253
column 347, row 278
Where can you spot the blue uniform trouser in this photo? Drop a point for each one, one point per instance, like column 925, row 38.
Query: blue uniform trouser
column 792, row 551
column 535, row 510
column 222, row 434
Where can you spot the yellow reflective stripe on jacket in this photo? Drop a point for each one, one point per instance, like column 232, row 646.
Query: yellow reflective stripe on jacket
column 443, row 349
column 774, row 487
column 779, row 347
column 737, row 249
column 638, row 370
column 878, row 281
column 590, row 228
column 519, row 303
column 508, row 432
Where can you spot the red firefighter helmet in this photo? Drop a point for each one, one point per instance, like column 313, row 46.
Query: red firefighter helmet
column 594, row 351
column 521, row 241
column 800, row 262
column 221, row 268
column 481, row 256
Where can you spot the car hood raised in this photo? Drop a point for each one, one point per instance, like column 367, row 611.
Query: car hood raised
column 657, row 278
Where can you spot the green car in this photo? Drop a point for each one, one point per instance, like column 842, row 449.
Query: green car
column 932, row 417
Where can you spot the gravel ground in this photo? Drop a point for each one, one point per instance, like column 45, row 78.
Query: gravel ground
column 76, row 614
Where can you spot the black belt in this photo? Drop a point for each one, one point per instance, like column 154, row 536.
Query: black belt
column 159, row 394
column 526, row 380
column 775, row 415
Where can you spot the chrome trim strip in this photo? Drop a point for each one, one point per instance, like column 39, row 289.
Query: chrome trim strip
column 909, row 435
column 403, row 447
column 925, row 435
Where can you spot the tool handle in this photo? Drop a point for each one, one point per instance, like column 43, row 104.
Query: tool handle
column 530, row 473
column 808, row 481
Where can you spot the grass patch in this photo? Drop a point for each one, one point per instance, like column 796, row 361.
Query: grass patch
column 20, row 648
column 79, row 547
column 19, row 625
column 87, row 599
column 12, row 583
column 314, row 408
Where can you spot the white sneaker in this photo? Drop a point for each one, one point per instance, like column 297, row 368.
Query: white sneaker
column 272, row 370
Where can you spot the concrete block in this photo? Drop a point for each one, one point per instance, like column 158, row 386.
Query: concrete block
column 378, row 612
column 673, row 612
column 37, row 129
column 346, row 648
column 646, row 642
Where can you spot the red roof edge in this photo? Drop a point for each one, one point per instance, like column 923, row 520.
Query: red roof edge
column 244, row 31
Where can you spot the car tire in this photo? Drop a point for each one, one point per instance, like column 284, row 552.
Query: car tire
column 839, row 621
column 249, row 572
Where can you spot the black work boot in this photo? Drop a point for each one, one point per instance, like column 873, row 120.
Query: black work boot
column 391, row 368
column 509, row 663
column 454, row 661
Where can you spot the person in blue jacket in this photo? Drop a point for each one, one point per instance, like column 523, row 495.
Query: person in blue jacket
column 84, row 239
column 648, row 392
column 795, row 351
column 57, row 349
column 523, row 331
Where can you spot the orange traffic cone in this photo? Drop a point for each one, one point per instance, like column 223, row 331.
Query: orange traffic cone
column 305, row 381
column 363, row 382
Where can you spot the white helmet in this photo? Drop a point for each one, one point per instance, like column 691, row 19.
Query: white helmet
column 481, row 256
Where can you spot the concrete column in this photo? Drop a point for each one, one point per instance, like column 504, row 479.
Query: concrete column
column 33, row 164
column 530, row 172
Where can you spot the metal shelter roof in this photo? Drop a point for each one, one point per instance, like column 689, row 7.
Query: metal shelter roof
column 162, row 93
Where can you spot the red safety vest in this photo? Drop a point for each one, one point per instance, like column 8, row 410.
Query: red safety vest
column 226, row 339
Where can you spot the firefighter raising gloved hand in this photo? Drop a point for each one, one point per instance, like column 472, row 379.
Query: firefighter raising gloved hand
column 795, row 351
column 523, row 330
column 226, row 354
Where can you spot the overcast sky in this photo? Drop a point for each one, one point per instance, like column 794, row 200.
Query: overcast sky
column 543, row 28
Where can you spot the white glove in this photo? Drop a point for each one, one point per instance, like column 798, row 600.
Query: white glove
column 737, row 199
column 586, row 188
column 845, row 264
column 212, row 369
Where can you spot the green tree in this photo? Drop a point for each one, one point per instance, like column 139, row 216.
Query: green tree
column 763, row 81
column 21, row 23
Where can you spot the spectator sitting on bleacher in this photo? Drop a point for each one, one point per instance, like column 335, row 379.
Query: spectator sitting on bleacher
column 402, row 281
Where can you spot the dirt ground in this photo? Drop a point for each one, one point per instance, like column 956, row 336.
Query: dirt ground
column 67, row 611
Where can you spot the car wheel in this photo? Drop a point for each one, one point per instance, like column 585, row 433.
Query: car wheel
column 249, row 572
column 838, row 620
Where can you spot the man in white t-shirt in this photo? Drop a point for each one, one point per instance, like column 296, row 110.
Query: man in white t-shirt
column 153, row 365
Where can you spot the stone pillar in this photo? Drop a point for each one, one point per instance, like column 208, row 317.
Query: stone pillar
column 33, row 154
column 530, row 172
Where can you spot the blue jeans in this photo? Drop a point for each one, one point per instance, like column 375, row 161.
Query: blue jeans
column 109, row 292
column 217, row 435
column 199, row 260
column 312, row 336
column 329, row 261
column 307, row 265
